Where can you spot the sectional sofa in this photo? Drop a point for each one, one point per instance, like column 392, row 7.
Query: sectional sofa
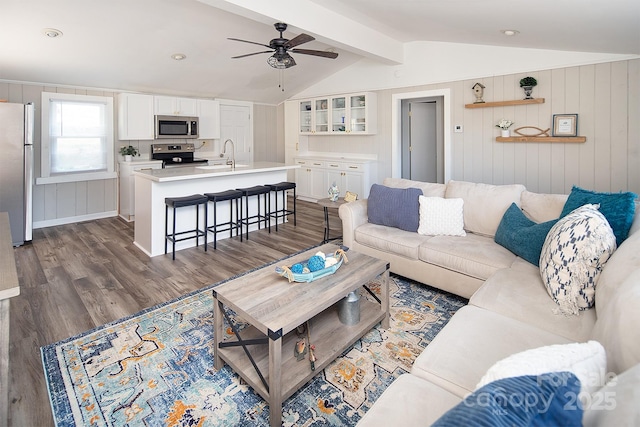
column 512, row 326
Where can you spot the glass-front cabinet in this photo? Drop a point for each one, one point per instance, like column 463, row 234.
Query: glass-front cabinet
column 339, row 119
column 358, row 113
column 305, row 117
column 340, row 114
column 321, row 115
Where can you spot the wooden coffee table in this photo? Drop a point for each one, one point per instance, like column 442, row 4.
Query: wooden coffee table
column 264, row 353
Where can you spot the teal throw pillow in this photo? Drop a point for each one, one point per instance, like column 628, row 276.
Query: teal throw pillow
column 521, row 235
column 394, row 207
column 544, row 400
column 617, row 208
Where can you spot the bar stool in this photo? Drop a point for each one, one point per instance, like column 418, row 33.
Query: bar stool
column 181, row 202
column 284, row 212
column 258, row 218
column 232, row 196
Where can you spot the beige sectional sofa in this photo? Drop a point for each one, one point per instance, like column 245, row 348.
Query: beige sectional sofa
column 509, row 309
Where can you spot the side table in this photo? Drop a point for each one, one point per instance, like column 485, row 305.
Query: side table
column 326, row 205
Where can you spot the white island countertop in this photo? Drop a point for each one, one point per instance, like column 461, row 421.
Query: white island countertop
column 211, row 171
column 153, row 186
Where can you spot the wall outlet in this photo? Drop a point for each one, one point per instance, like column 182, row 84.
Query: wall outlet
column 457, row 128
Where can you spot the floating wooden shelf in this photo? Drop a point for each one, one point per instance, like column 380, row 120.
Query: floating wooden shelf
column 541, row 139
column 505, row 103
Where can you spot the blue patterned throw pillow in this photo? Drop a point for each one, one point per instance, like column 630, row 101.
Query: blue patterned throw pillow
column 394, row 207
column 618, row 208
column 522, row 236
column 533, row 400
column 573, row 255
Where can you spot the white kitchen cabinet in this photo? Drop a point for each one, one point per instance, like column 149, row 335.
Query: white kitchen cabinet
column 173, row 106
column 310, row 179
column 209, row 114
column 352, row 114
column 317, row 174
column 353, row 176
column 304, row 117
column 127, row 194
column 135, row 116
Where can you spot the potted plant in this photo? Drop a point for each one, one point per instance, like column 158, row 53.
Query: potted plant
column 527, row 84
column 128, row 152
column 504, row 126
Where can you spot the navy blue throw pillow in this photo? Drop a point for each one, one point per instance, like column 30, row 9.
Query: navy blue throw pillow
column 522, row 236
column 618, row 208
column 545, row 400
column 394, row 207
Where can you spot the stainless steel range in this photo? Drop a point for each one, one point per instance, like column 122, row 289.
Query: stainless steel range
column 173, row 155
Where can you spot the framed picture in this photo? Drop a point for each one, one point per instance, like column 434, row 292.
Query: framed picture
column 350, row 197
column 565, row 125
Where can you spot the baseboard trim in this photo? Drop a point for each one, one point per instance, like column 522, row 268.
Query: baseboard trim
column 73, row 219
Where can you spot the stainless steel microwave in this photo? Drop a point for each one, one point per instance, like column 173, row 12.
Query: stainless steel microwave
column 176, row 127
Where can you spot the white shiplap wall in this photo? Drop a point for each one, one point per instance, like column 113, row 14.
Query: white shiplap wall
column 606, row 97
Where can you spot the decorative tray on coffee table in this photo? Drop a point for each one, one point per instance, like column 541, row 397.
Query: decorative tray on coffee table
column 302, row 272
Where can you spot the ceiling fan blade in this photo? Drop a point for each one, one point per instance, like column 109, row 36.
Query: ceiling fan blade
column 251, row 54
column 321, row 53
column 298, row 40
column 247, row 41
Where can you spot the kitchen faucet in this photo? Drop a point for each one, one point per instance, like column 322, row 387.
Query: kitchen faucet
column 231, row 162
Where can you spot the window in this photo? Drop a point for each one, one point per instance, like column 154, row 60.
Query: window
column 77, row 138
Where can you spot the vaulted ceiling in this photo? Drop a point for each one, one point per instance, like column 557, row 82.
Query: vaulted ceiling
column 128, row 44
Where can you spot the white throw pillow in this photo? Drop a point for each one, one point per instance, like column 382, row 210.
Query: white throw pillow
column 573, row 255
column 587, row 361
column 441, row 217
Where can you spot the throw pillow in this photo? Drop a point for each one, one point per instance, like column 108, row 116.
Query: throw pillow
column 522, row 236
column 484, row 204
column 544, row 400
column 394, row 207
column 618, row 208
column 587, row 361
column 573, row 255
column 441, row 217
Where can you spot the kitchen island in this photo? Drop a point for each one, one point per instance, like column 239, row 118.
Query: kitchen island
column 153, row 186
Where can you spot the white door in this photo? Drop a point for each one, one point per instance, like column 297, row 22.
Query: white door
column 235, row 124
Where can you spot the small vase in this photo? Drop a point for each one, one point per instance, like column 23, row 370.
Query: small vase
column 127, row 157
column 505, row 133
column 527, row 92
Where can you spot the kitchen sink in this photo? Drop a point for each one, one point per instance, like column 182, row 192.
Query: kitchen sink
column 221, row 166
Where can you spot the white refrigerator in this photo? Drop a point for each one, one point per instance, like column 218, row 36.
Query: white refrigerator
column 16, row 173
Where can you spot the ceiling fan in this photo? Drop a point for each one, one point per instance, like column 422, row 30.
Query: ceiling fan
column 281, row 48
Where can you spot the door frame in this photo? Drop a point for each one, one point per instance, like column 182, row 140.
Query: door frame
column 396, row 128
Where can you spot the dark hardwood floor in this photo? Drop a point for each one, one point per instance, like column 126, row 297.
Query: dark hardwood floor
column 79, row 276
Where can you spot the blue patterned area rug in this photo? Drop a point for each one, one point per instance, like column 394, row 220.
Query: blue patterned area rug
column 155, row 368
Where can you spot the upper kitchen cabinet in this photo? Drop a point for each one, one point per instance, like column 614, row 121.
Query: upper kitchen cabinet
column 321, row 115
column 209, row 114
column 342, row 114
column 135, row 116
column 362, row 111
column 172, row 106
column 304, row 124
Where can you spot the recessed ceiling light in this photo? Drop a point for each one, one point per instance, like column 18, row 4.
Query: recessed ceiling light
column 52, row 33
column 510, row 33
column 178, row 56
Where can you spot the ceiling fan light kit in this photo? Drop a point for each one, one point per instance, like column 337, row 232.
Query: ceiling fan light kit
column 280, row 47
